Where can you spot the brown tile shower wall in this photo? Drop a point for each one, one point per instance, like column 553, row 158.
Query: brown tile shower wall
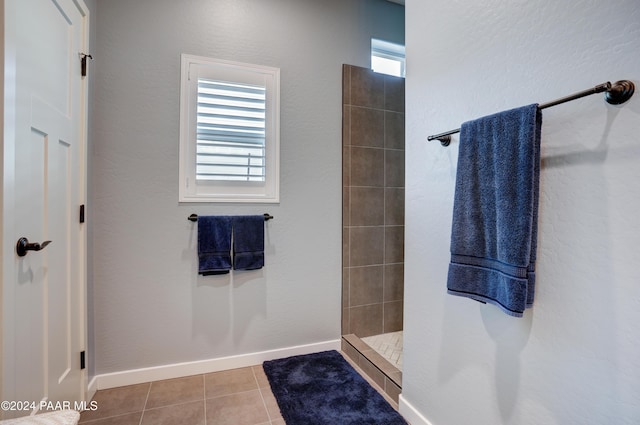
column 373, row 202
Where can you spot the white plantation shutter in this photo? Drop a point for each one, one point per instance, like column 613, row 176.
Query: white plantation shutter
column 230, row 131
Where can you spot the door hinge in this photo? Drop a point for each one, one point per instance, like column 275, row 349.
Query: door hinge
column 82, row 213
column 82, row 360
column 83, row 63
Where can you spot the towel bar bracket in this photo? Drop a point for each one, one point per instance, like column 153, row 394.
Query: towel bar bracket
column 444, row 138
column 620, row 92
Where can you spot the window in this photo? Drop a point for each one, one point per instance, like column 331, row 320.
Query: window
column 229, row 131
column 387, row 58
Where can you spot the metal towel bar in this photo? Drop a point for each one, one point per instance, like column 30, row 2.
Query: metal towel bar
column 194, row 217
column 616, row 93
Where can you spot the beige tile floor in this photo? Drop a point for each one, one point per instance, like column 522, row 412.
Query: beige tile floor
column 233, row 397
column 238, row 397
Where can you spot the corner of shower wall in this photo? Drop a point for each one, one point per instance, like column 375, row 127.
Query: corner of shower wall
column 373, row 204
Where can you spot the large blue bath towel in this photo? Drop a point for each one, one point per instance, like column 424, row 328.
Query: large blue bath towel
column 214, row 245
column 495, row 213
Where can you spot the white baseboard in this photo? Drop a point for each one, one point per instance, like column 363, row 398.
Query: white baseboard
column 410, row 413
column 92, row 388
column 178, row 370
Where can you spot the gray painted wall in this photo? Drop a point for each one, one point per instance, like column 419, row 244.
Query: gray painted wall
column 573, row 358
column 149, row 306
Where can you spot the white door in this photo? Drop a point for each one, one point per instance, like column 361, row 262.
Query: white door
column 43, row 309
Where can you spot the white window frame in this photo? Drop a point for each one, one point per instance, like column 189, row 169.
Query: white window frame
column 193, row 190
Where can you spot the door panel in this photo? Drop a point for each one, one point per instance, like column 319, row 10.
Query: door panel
column 44, row 331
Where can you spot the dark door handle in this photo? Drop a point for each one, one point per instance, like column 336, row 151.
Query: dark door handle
column 23, row 246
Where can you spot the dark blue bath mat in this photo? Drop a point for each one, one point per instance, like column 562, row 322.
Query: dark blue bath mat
column 323, row 389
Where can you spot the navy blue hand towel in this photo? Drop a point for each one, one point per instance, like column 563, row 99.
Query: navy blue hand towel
column 214, row 245
column 495, row 212
column 248, row 242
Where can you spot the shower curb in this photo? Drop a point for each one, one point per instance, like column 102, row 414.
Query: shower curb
column 379, row 369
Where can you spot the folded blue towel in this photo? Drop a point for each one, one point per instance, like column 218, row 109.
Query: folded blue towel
column 214, row 245
column 248, row 242
column 495, row 213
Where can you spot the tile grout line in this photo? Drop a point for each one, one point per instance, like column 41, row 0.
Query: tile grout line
column 350, row 187
column 145, row 403
column 264, row 403
column 204, row 397
column 384, row 198
column 234, row 393
column 384, row 195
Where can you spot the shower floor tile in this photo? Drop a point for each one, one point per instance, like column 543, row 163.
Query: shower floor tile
column 388, row 345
